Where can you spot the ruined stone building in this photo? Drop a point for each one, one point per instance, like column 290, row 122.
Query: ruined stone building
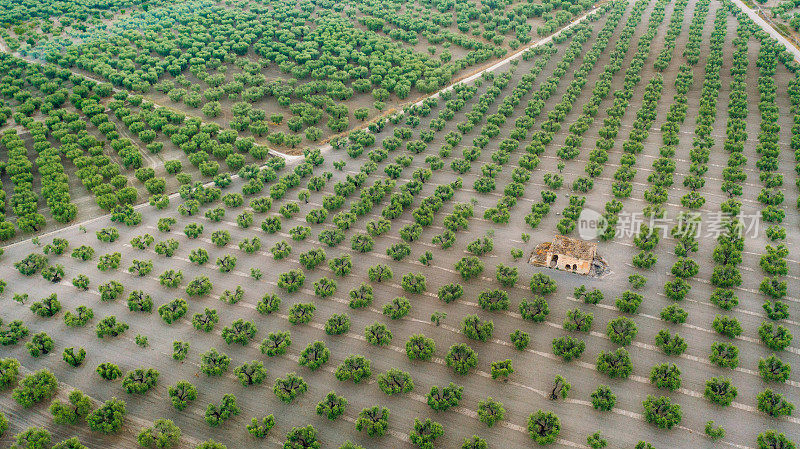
column 567, row 254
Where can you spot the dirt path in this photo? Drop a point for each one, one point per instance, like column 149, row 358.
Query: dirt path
column 516, row 55
column 325, row 147
column 767, row 26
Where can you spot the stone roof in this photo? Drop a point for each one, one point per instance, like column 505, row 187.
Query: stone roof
column 579, row 249
column 539, row 256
